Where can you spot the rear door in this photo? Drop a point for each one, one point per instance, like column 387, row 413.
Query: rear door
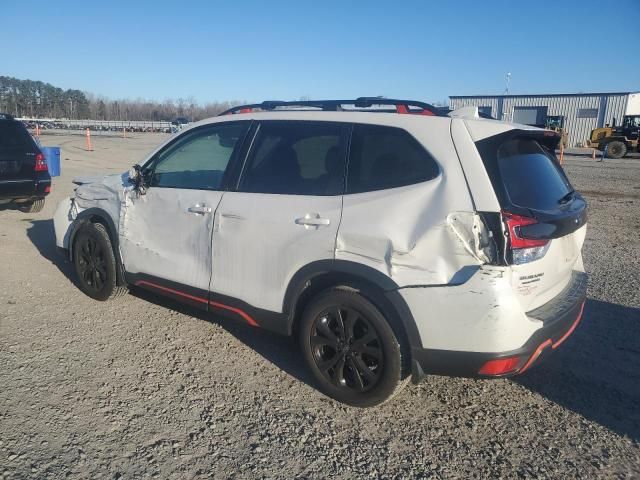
column 284, row 214
column 544, row 218
column 17, row 159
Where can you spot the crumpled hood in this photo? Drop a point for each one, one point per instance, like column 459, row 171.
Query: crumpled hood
column 105, row 188
column 116, row 178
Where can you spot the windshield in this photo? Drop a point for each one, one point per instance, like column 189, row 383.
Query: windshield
column 531, row 178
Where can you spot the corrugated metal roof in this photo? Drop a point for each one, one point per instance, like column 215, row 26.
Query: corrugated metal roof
column 587, row 94
column 582, row 112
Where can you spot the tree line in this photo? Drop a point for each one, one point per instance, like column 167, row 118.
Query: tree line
column 35, row 99
column 29, row 98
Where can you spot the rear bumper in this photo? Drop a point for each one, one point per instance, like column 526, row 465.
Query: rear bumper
column 559, row 319
column 18, row 189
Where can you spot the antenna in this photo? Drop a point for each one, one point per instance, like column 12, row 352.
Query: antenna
column 506, row 90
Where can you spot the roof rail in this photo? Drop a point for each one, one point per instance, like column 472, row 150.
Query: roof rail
column 400, row 106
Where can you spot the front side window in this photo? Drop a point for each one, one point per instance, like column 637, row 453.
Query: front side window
column 198, row 159
column 386, row 157
column 296, row 158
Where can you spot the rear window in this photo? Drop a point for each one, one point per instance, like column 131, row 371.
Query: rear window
column 530, row 176
column 13, row 135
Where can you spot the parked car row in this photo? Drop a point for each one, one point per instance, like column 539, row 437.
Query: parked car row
column 61, row 125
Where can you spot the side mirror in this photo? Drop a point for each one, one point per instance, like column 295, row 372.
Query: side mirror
column 136, row 178
column 134, row 174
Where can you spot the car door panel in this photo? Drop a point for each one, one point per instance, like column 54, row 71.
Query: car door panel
column 259, row 246
column 162, row 238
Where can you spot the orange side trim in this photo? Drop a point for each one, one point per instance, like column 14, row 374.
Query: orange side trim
column 549, row 343
column 244, row 315
column 570, row 331
column 247, row 318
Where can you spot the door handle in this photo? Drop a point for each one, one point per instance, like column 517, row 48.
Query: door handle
column 199, row 209
column 312, row 220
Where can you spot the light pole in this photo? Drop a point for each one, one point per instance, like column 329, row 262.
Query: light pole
column 506, row 90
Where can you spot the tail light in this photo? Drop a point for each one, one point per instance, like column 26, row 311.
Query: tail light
column 41, row 163
column 523, row 250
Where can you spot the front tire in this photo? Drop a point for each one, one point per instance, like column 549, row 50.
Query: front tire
column 95, row 263
column 616, row 149
column 351, row 349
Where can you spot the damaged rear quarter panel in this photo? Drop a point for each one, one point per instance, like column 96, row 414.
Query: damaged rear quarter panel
column 407, row 232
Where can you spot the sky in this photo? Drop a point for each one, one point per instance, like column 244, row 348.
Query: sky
column 285, row 50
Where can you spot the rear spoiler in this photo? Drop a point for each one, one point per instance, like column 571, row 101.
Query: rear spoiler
column 469, row 112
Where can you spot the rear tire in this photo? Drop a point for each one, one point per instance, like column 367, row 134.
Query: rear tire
column 351, row 349
column 616, row 149
column 95, row 263
column 33, row 206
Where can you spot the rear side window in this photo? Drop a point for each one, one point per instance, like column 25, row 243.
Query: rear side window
column 297, row 158
column 13, row 135
column 530, row 176
column 386, row 157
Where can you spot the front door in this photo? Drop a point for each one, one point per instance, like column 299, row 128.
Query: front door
column 285, row 213
column 165, row 234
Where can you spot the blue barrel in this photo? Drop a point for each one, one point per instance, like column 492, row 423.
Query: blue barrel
column 52, row 155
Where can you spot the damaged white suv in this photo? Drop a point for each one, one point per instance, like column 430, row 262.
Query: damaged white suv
column 393, row 240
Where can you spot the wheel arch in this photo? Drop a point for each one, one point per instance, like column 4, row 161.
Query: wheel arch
column 97, row 215
column 378, row 288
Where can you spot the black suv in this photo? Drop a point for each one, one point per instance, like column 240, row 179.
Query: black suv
column 24, row 177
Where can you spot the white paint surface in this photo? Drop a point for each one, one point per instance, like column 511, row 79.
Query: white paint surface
column 159, row 236
column 258, row 246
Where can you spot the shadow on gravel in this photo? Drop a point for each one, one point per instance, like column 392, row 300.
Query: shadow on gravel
column 280, row 350
column 596, row 373
column 43, row 237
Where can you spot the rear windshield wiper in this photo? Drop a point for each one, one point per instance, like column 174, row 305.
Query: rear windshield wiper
column 567, row 197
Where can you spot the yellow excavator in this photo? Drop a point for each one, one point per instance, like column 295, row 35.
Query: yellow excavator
column 617, row 141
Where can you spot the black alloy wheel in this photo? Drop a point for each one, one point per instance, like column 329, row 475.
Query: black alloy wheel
column 351, row 349
column 347, row 349
column 95, row 262
column 92, row 265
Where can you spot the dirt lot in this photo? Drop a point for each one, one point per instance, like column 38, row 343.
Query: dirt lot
column 143, row 387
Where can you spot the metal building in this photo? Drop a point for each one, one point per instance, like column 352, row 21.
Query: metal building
column 580, row 112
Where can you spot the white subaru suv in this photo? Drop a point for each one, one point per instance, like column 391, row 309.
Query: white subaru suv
column 392, row 239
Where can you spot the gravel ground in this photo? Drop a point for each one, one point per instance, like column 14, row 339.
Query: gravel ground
column 143, row 387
